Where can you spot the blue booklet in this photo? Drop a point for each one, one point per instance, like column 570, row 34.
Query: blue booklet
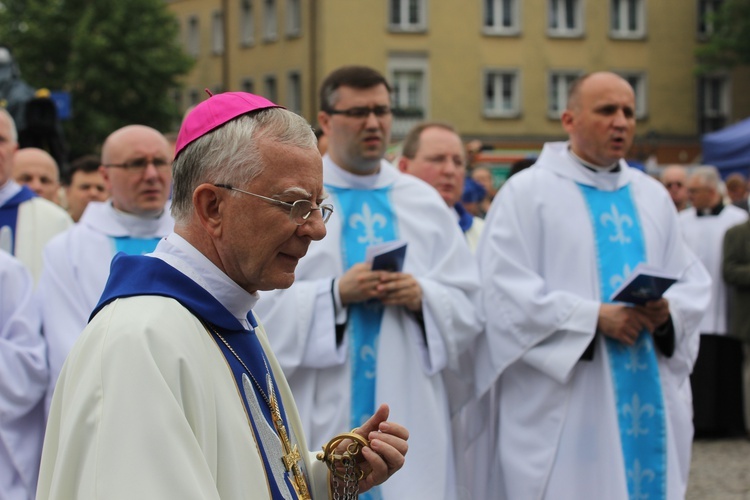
column 387, row 256
column 643, row 285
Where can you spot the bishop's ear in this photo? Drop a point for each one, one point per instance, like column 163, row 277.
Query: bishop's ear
column 209, row 201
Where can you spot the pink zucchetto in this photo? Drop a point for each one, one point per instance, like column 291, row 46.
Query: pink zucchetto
column 214, row 112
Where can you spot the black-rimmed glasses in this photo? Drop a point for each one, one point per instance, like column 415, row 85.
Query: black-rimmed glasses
column 140, row 164
column 299, row 211
column 361, row 111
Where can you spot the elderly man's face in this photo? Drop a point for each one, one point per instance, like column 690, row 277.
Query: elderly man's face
column 440, row 162
column 37, row 170
column 260, row 246
column 702, row 195
column 358, row 143
column 140, row 191
column 8, row 147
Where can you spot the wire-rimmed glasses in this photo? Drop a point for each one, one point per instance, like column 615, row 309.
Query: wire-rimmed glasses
column 299, row 211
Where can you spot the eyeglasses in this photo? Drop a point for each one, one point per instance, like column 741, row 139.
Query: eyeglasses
column 361, row 111
column 299, row 211
column 673, row 184
column 140, row 164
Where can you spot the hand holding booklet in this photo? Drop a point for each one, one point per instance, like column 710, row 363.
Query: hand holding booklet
column 387, row 256
column 644, row 284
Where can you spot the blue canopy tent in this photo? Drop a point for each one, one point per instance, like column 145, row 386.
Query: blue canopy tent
column 728, row 149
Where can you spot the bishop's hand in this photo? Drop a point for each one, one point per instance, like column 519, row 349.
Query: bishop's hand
column 387, row 450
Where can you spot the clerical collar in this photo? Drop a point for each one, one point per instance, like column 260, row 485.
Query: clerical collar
column 715, row 210
column 8, row 191
column 594, row 168
column 178, row 253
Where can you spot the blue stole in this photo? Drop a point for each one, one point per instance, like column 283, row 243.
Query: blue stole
column 9, row 212
column 635, row 373
column 465, row 219
column 133, row 275
column 367, row 218
column 134, row 246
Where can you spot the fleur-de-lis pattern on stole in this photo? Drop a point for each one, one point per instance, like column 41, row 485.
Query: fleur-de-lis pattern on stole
column 367, row 218
column 635, row 374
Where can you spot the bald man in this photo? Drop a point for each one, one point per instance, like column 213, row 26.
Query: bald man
column 37, row 169
column 136, row 166
column 27, row 221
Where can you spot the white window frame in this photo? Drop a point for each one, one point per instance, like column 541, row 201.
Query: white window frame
column 499, row 78
column 558, row 86
column 492, row 17
column 706, row 8
column 707, row 108
column 293, row 18
column 193, row 36
column 294, row 92
column 557, row 11
column 399, row 15
column 271, row 88
column 628, row 12
column 270, row 21
column 217, row 33
column 247, row 23
column 638, row 81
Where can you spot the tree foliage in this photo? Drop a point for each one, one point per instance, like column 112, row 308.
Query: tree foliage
column 729, row 44
column 118, row 59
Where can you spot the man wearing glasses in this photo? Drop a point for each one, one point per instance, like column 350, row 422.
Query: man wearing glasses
column 172, row 391
column 136, row 167
column 349, row 337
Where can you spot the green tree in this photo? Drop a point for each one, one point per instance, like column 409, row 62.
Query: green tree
column 729, row 44
column 118, row 59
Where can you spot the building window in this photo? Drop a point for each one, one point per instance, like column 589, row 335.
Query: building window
column 270, row 90
column 193, row 36
column 269, row 20
column 294, row 93
column 713, row 103
column 407, row 15
column 247, row 85
column 565, row 18
column 194, row 96
column 501, row 91
column 247, row 24
column 293, row 18
column 706, row 10
column 501, row 17
column 627, row 19
column 409, row 77
column 638, row 82
column 559, row 86
column 217, row 33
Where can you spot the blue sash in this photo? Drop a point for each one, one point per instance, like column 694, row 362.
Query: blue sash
column 9, row 212
column 635, row 372
column 134, row 246
column 367, row 218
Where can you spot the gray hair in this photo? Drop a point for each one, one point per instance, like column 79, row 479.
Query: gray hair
column 709, row 176
column 230, row 153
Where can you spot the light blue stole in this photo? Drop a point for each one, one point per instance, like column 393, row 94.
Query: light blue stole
column 635, row 374
column 367, row 218
column 134, row 246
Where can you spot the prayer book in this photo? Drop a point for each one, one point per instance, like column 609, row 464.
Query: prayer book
column 644, row 284
column 387, row 256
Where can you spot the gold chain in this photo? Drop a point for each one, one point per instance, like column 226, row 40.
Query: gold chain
column 260, row 388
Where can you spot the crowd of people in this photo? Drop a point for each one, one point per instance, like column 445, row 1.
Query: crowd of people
column 208, row 311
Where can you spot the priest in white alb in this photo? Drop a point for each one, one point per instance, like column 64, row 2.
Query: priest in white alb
column 136, row 167
column 593, row 396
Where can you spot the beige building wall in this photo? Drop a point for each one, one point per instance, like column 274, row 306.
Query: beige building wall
column 454, row 52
